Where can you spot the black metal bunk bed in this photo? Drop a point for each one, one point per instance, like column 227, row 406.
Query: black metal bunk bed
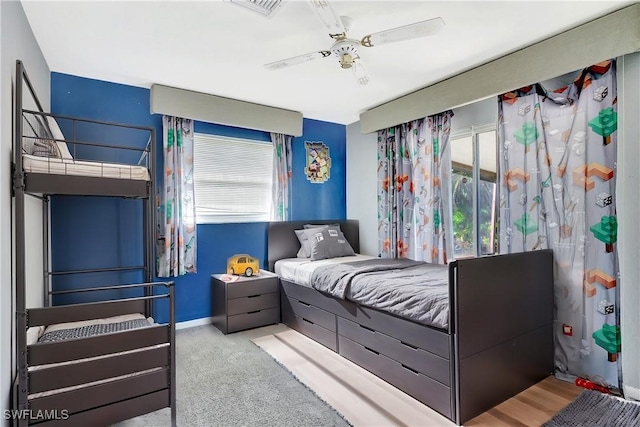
column 92, row 379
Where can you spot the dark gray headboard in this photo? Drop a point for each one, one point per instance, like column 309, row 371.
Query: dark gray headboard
column 283, row 243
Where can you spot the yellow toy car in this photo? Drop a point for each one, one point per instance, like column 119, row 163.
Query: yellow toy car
column 243, row 264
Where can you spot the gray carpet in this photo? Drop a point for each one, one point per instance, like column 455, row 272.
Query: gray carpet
column 229, row 381
column 592, row 408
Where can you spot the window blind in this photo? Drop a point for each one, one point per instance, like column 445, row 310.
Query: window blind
column 232, row 179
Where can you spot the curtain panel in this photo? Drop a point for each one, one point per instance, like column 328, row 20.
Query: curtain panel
column 282, row 173
column 558, row 179
column 177, row 210
column 414, row 190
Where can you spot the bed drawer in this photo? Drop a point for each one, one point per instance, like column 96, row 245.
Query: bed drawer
column 252, row 303
column 247, row 287
column 314, row 314
column 316, row 298
column 415, row 358
column 314, row 331
column 430, row 392
column 253, row 319
column 416, row 334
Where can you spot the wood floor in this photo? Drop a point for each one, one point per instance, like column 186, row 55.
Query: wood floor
column 365, row 400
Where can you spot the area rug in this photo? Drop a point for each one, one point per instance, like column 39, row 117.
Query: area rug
column 226, row 380
column 592, row 408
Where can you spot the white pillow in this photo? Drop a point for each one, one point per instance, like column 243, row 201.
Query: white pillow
column 56, row 133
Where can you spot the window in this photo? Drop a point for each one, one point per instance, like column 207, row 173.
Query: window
column 473, row 158
column 232, row 179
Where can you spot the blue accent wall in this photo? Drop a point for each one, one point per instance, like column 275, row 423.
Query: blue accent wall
column 94, row 232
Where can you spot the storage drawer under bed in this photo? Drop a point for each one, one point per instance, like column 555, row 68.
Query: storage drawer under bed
column 406, row 354
column 314, row 314
column 415, row 384
column 314, row 331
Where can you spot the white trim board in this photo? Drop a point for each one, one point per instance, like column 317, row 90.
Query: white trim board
column 193, row 323
column 631, row 392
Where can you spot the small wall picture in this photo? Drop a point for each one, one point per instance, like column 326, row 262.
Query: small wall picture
column 318, row 168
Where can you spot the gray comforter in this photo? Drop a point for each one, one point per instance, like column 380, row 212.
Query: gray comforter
column 411, row 289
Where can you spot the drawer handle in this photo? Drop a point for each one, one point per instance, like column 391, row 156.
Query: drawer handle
column 254, row 312
column 372, row 351
column 410, row 369
column 308, row 321
column 254, row 296
column 304, row 303
column 411, row 346
column 367, row 328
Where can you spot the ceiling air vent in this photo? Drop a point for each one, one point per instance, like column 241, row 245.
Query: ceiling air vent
column 263, row 7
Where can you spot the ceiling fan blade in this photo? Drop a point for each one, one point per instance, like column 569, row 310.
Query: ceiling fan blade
column 297, row 60
column 360, row 73
column 330, row 19
column 406, row 32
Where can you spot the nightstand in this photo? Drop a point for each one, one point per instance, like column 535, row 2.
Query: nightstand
column 246, row 303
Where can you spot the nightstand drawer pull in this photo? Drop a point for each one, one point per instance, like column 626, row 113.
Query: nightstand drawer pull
column 252, row 312
column 254, row 296
column 308, row 321
column 304, row 303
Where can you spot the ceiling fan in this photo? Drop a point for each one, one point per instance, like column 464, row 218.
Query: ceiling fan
column 346, row 49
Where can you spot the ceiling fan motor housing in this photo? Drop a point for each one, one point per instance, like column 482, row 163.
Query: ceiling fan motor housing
column 347, row 51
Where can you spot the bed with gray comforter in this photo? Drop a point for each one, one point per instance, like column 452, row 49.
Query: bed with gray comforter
column 411, row 289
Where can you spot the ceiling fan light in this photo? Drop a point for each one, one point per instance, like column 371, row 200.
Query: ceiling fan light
column 360, row 73
column 346, row 60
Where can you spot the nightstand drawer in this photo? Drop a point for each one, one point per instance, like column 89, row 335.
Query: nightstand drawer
column 239, row 322
column 252, row 303
column 255, row 286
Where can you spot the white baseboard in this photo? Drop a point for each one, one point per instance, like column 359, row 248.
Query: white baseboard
column 194, row 323
column 631, row 392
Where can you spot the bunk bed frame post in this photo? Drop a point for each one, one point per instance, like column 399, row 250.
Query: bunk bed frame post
column 45, row 252
column 149, row 216
column 172, row 356
column 20, row 291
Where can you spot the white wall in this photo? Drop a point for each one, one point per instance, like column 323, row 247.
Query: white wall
column 362, row 185
column 628, row 210
column 16, row 42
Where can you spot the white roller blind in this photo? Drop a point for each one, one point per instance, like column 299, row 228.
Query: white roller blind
column 232, row 179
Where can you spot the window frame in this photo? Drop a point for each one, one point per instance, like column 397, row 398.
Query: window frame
column 242, row 217
column 473, row 132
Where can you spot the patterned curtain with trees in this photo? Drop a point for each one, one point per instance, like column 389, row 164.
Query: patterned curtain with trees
column 558, row 168
column 177, row 210
column 414, row 188
column 282, row 173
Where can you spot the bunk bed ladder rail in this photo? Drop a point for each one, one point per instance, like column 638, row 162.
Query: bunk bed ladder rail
column 20, row 291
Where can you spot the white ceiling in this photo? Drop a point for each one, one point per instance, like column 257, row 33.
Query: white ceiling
column 219, row 48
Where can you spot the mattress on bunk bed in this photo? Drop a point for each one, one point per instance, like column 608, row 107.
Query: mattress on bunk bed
column 87, row 328
column 37, row 164
column 413, row 290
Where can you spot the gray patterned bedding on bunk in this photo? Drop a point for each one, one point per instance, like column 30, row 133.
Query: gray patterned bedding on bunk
column 93, row 330
column 410, row 289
